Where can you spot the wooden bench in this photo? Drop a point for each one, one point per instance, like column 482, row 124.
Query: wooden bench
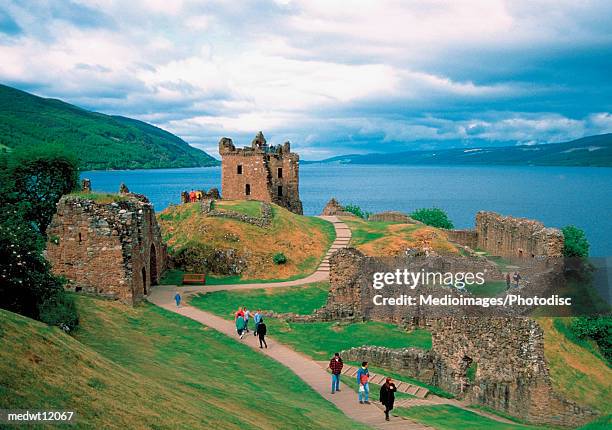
column 194, row 278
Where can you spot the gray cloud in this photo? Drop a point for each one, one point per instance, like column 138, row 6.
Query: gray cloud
column 378, row 76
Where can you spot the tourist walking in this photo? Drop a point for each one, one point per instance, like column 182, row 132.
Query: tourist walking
column 256, row 320
column 363, row 377
column 240, row 326
column 247, row 315
column 387, row 396
column 262, row 330
column 239, row 313
column 507, row 280
column 177, row 299
column 336, row 365
column 517, row 279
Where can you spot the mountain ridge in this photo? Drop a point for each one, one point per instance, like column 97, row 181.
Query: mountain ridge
column 100, row 141
column 589, row 151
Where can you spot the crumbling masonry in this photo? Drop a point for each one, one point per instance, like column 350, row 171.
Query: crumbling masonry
column 110, row 247
column 510, row 237
column 260, row 172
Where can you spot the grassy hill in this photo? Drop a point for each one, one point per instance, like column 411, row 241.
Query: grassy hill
column 577, row 370
column 593, row 151
column 99, row 141
column 303, row 240
column 145, row 367
column 382, row 238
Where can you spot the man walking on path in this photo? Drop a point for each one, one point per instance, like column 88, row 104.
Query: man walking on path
column 247, row 315
column 363, row 376
column 507, row 280
column 257, row 320
column 517, row 278
column 336, row 365
column 240, row 326
column 387, row 396
column 177, row 299
column 262, row 330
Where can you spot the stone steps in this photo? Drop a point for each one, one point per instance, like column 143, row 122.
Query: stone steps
column 378, row 379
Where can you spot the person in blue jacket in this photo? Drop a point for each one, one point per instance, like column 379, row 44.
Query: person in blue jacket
column 363, row 377
column 177, row 299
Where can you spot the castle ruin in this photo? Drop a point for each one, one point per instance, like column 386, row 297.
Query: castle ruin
column 109, row 246
column 511, row 237
column 260, row 172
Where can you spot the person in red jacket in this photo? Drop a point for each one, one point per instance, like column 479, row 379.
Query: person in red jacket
column 192, row 196
column 336, row 365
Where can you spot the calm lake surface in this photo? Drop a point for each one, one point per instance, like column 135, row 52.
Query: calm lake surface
column 557, row 196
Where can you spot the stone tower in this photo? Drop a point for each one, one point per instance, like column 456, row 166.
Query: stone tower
column 110, row 248
column 260, row 172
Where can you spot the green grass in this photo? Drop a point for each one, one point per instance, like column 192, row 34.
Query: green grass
column 602, row 423
column 447, row 417
column 99, row 197
column 301, row 300
column 246, row 207
column 303, row 240
column 146, row 367
column 577, row 370
column 237, row 279
column 488, row 289
column 172, row 277
column 364, row 232
column 318, row 340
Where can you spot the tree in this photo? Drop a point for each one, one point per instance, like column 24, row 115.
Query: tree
column 357, row 211
column 37, row 178
column 434, row 217
column 575, row 242
column 31, row 184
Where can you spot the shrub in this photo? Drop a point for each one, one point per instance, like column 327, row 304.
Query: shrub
column 60, row 310
column 357, row 211
column 279, row 258
column 434, row 217
column 575, row 242
column 598, row 329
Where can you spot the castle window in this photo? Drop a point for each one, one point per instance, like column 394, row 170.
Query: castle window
column 280, row 172
column 247, row 189
column 280, row 191
column 80, row 238
column 239, row 169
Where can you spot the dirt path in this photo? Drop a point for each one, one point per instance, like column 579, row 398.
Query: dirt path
column 307, row 369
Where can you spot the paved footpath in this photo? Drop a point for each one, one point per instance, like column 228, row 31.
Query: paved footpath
column 307, row 369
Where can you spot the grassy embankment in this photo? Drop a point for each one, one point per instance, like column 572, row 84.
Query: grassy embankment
column 145, row 367
column 577, row 369
column 381, row 238
column 303, row 240
column 318, row 340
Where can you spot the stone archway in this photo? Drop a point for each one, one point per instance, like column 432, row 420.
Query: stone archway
column 153, row 266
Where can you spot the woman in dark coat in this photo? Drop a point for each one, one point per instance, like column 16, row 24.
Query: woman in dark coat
column 387, row 396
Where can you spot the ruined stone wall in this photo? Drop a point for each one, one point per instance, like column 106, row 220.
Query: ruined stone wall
column 506, row 236
column 260, row 172
column 467, row 238
column 393, row 216
column 507, row 353
column 334, row 208
column 112, row 249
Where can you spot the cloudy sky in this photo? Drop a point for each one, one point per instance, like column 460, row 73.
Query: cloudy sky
column 332, row 77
